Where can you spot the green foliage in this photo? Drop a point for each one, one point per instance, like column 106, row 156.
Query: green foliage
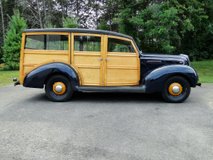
column 103, row 25
column 6, row 77
column 50, row 25
column 12, row 42
column 1, row 54
column 168, row 26
column 204, row 69
column 70, row 22
column 175, row 26
column 160, row 30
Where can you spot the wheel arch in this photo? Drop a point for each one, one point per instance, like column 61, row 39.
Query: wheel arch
column 38, row 77
column 155, row 80
column 54, row 74
column 183, row 76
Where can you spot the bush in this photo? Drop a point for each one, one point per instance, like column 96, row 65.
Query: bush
column 70, row 22
column 12, row 42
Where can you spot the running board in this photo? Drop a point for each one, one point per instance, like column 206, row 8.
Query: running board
column 124, row 89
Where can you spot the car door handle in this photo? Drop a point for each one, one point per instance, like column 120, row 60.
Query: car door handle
column 100, row 59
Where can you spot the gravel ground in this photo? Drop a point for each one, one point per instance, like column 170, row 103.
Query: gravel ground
column 96, row 126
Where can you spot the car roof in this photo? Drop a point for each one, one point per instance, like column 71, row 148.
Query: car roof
column 79, row 30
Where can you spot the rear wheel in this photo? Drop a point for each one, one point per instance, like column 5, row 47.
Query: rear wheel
column 176, row 89
column 58, row 88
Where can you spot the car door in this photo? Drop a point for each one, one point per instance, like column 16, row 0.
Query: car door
column 122, row 62
column 87, row 58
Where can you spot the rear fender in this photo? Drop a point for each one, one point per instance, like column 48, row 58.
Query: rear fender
column 37, row 77
column 155, row 80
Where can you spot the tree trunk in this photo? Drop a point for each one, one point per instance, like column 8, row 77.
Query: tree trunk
column 46, row 18
column 77, row 8
column 2, row 19
column 39, row 14
column 96, row 13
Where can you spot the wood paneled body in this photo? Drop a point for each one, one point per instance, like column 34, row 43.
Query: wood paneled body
column 95, row 64
column 33, row 58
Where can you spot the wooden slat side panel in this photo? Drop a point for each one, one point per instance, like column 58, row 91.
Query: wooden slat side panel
column 27, row 69
column 47, row 52
column 122, row 70
column 33, row 60
column 86, row 60
column 39, row 59
column 91, row 76
column 118, row 77
column 21, row 68
column 121, row 61
column 89, row 69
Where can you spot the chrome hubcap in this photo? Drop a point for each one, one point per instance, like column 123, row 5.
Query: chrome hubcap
column 176, row 89
column 58, row 88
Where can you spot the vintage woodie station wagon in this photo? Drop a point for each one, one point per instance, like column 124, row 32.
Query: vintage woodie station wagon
column 68, row 60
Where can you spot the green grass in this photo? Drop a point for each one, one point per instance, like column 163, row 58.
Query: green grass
column 205, row 70
column 6, row 77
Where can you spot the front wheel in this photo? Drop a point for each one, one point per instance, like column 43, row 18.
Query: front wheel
column 58, row 88
column 176, row 89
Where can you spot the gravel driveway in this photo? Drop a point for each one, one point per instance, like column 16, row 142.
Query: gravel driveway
column 105, row 126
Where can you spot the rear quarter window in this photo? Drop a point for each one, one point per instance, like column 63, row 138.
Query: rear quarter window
column 46, row 42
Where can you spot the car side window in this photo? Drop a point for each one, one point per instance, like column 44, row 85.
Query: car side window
column 47, row 42
column 87, row 43
column 35, row 42
column 117, row 45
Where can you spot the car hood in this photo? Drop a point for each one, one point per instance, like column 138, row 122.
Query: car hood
column 180, row 59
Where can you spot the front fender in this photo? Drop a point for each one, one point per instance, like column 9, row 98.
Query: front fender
column 155, row 80
column 37, row 77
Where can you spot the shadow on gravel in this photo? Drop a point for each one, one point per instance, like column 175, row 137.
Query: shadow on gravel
column 105, row 97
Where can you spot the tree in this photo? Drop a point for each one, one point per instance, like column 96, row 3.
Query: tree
column 5, row 11
column 160, row 29
column 41, row 13
column 175, row 26
column 109, row 19
column 3, row 28
column 2, row 18
column 70, row 22
column 12, row 43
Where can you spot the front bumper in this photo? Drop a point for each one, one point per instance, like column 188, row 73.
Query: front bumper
column 198, row 84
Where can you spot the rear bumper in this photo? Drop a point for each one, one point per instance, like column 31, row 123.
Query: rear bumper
column 16, row 81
